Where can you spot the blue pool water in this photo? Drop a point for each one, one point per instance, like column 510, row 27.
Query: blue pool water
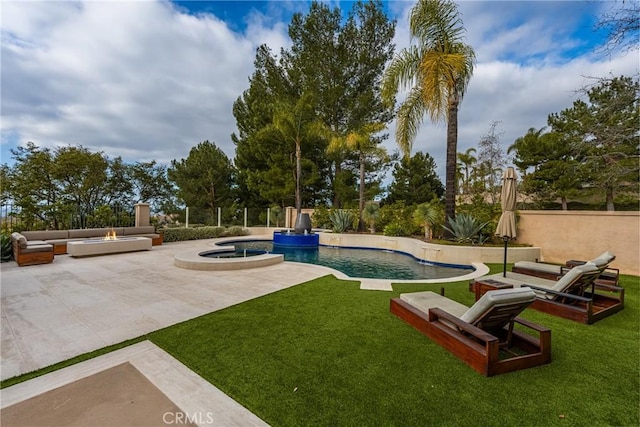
column 364, row 263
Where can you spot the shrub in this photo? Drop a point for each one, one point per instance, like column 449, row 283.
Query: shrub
column 321, row 218
column 341, row 220
column 236, row 230
column 203, row 232
column 395, row 229
column 5, row 247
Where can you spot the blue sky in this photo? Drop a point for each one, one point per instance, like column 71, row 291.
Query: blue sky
column 150, row 79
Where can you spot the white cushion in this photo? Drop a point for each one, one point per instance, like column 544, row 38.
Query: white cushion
column 539, row 266
column 497, row 297
column 603, row 259
column 423, row 301
column 572, row 275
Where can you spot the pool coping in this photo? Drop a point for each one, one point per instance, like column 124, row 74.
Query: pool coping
column 193, row 260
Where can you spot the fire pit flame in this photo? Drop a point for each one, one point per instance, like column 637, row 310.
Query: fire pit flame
column 111, row 235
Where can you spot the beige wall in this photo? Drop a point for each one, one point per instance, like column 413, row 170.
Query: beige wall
column 564, row 235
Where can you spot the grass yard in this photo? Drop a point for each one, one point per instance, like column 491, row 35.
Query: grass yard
column 327, row 353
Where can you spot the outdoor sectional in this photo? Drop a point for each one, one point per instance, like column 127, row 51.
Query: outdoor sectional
column 29, row 243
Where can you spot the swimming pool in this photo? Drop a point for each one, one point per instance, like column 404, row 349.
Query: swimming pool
column 356, row 262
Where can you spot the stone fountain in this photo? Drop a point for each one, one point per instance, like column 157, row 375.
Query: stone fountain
column 302, row 236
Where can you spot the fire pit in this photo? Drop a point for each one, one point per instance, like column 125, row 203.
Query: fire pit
column 110, row 244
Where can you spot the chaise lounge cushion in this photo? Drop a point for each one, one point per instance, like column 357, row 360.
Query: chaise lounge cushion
column 601, row 261
column 572, row 275
column 495, row 298
column 423, row 301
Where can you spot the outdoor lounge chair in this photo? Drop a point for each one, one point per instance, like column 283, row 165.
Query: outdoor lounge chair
column 482, row 336
column 573, row 296
column 608, row 275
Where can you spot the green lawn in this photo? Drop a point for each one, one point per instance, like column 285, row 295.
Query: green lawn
column 327, row 353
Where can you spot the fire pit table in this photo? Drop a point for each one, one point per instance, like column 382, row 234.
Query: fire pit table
column 93, row 247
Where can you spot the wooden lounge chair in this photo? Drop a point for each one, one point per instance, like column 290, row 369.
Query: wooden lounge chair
column 608, row 276
column 481, row 336
column 573, row 296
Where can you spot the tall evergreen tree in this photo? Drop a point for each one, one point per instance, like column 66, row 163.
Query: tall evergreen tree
column 415, row 181
column 204, row 178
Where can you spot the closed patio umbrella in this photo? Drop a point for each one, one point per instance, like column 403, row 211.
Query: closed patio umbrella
column 507, row 224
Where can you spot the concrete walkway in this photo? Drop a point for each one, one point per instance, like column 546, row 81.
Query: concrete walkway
column 52, row 312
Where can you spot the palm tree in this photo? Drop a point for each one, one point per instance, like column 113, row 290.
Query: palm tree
column 296, row 124
column 371, row 214
column 364, row 145
column 428, row 215
column 436, row 70
column 466, row 160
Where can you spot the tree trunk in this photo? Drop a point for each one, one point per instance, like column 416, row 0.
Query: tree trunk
column 298, row 179
column 361, row 205
column 563, row 201
column 452, row 151
column 212, row 191
column 610, row 205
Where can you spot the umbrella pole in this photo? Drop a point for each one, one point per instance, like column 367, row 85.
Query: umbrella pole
column 504, row 266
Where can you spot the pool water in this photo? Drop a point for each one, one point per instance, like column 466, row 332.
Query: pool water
column 355, row 262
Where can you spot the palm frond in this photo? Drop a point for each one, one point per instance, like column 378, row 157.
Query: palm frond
column 409, row 119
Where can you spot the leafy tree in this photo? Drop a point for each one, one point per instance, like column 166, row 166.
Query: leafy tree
column 415, row 181
column 81, row 176
column 437, row 70
column 32, row 187
column 466, row 161
column 150, row 184
column 552, row 169
column 204, row 179
column 604, row 134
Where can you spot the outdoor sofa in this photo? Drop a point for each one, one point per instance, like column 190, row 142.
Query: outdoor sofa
column 33, row 247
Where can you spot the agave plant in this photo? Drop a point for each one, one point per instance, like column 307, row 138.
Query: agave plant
column 6, row 251
column 465, row 228
column 340, row 219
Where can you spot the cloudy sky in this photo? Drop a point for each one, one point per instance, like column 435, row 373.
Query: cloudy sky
column 150, row 79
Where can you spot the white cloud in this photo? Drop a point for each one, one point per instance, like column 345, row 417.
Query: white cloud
column 134, row 79
column 143, row 80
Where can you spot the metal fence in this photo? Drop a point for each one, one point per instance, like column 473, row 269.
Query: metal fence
column 12, row 218
column 225, row 217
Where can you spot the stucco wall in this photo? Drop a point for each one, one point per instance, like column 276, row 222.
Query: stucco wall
column 564, row 235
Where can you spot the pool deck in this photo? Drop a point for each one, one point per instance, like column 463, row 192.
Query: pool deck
column 52, row 312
